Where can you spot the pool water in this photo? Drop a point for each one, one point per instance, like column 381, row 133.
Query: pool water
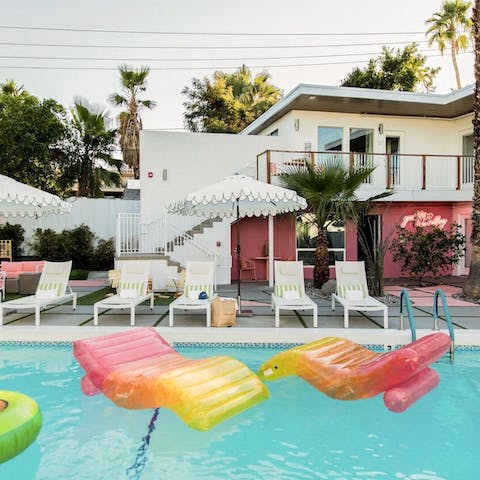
column 297, row 434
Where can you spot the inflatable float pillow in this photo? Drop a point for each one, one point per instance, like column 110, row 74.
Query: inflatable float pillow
column 139, row 369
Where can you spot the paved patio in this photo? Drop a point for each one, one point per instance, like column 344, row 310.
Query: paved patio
column 256, row 297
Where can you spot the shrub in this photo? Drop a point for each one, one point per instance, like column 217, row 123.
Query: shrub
column 104, row 254
column 16, row 233
column 428, row 250
column 50, row 245
column 76, row 245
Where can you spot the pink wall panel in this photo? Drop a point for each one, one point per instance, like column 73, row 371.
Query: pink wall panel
column 393, row 214
column 254, row 234
column 253, row 239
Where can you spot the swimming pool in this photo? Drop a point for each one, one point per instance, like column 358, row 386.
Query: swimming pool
column 297, row 434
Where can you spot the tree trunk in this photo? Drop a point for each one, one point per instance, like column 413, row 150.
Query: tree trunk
column 472, row 285
column 455, row 64
column 321, row 272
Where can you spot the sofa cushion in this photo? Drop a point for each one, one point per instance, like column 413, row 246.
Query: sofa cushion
column 12, row 269
column 32, row 266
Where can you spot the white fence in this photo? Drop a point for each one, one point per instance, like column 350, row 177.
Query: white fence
column 99, row 214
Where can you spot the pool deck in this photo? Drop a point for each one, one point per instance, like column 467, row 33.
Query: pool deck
column 61, row 323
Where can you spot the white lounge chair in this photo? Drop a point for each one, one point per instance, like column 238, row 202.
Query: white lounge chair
column 3, row 278
column 289, row 290
column 352, row 291
column 132, row 290
column 199, row 277
column 52, row 289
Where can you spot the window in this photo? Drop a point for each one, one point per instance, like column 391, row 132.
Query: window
column 307, row 237
column 330, row 139
column 274, row 133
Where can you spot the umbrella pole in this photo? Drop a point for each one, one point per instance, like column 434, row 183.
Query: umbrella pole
column 238, row 259
column 241, row 313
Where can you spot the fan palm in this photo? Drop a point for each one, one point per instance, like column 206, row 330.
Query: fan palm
column 10, row 87
column 451, row 26
column 330, row 191
column 472, row 284
column 130, row 122
column 93, row 147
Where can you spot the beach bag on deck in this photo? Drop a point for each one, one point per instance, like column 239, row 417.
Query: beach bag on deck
column 223, row 312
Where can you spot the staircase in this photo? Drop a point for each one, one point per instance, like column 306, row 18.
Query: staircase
column 174, row 239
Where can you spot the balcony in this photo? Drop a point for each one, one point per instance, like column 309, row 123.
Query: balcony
column 423, row 176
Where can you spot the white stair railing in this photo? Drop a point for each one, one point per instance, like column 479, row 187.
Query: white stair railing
column 165, row 234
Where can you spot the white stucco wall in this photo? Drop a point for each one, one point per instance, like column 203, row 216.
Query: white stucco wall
column 417, row 135
column 192, row 161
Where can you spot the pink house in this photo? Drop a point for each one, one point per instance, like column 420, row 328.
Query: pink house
column 421, row 146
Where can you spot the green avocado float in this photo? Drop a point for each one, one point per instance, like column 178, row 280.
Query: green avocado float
column 20, row 422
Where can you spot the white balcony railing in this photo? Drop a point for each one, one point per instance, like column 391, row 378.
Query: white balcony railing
column 392, row 171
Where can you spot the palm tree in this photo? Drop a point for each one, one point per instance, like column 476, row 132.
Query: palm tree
column 472, row 285
column 255, row 95
column 228, row 102
column 10, row 87
column 93, row 147
column 130, row 123
column 330, row 191
column 451, row 26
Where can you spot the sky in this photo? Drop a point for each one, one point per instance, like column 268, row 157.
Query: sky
column 305, row 41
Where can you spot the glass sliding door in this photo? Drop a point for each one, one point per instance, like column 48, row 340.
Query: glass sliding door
column 392, row 147
column 361, row 144
column 467, row 159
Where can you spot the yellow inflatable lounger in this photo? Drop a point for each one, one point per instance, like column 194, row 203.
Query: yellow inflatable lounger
column 139, row 369
column 344, row 370
column 20, row 422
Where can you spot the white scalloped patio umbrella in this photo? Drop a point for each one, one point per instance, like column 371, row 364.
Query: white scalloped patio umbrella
column 240, row 196
column 20, row 200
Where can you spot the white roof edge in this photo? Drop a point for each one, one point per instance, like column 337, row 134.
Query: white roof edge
column 291, row 95
column 365, row 93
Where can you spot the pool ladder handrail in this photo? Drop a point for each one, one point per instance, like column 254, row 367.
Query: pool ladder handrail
column 439, row 293
column 405, row 302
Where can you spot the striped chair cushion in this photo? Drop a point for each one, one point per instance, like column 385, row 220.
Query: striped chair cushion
column 343, row 289
column 132, row 289
column 281, row 289
column 50, row 289
column 192, row 291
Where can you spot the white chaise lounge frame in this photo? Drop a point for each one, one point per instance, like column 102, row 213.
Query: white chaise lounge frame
column 54, row 279
column 289, row 275
column 133, row 273
column 351, row 276
column 199, row 276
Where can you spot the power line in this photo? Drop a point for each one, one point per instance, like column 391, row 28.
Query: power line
column 206, row 47
column 242, row 34
column 39, row 67
column 241, row 59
